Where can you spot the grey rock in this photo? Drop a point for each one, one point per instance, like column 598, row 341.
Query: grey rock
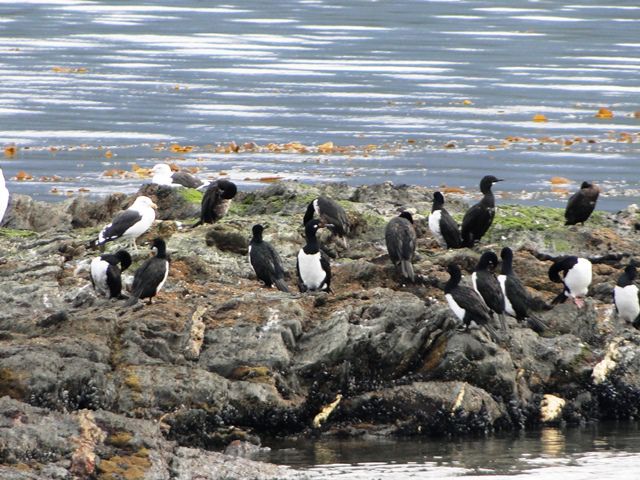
column 172, row 202
column 423, row 407
column 239, row 448
column 40, row 444
column 267, row 361
column 85, row 213
column 24, row 213
column 474, row 358
column 214, row 466
column 228, row 238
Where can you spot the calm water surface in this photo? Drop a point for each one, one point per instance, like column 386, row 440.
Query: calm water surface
column 603, row 452
column 428, row 92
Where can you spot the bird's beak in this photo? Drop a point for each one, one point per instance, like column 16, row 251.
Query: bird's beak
column 499, row 180
column 324, row 225
column 154, row 205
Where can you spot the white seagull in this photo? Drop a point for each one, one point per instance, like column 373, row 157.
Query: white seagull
column 4, row 197
column 163, row 175
column 130, row 223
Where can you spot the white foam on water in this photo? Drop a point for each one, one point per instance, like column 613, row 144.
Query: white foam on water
column 545, row 18
column 611, row 89
column 348, row 28
column 605, row 7
column 265, row 21
column 495, row 33
column 257, row 71
column 84, row 7
column 506, row 9
column 84, row 134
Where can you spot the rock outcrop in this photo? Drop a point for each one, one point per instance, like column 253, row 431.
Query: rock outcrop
column 93, row 388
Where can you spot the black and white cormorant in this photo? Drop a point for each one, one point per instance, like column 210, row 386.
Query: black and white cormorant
column 478, row 219
column 106, row 273
column 400, row 237
column 517, row 301
column 151, row 275
column 312, row 265
column 266, row 261
column 486, row 284
column 626, row 297
column 163, row 175
column 331, row 214
column 466, row 303
column 575, row 274
column 443, row 227
column 130, row 223
column 216, row 201
column 581, row 204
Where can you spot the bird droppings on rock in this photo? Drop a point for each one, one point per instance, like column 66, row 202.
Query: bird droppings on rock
column 551, row 408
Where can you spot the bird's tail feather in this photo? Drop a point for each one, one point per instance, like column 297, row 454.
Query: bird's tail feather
column 503, row 321
column 561, row 298
column 197, row 224
column 492, row 332
column 132, row 301
column 281, row 285
column 536, row 324
column 407, row 270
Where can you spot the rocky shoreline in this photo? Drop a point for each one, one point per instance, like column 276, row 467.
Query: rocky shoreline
column 91, row 389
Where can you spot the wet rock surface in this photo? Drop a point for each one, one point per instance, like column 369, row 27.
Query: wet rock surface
column 90, row 387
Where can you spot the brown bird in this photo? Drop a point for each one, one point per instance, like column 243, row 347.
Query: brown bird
column 400, row 237
column 581, row 204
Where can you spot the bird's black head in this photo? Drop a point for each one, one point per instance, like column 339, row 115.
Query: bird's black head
column 507, row 260
column 228, row 188
column 159, row 247
column 124, row 258
column 486, row 183
column 506, row 254
column 257, row 232
column 406, row 215
column 438, row 199
column 488, row 260
column 311, row 228
column 456, row 276
column 631, row 272
column 586, row 185
column 453, row 269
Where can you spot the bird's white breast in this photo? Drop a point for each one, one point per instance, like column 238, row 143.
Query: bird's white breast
column 457, row 309
column 502, row 279
column 474, row 282
column 578, row 278
column 162, row 178
column 434, row 226
column 99, row 275
column 166, row 274
column 311, row 272
column 141, row 226
column 4, row 200
column 627, row 302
